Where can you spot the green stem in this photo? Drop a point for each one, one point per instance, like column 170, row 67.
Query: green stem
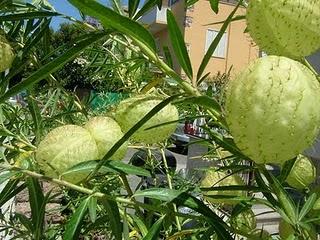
column 87, row 191
column 153, row 57
column 129, row 191
column 170, row 185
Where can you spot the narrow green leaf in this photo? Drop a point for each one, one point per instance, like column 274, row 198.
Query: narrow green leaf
column 307, row 206
column 4, row 3
column 204, row 101
column 116, row 6
column 73, row 227
column 53, row 66
column 236, row 18
column 114, row 20
column 189, row 3
column 133, row 6
column 11, row 189
column 149, row 4
column 148, row 116
column 215, row 42
column 39, row 227
column 6, row 175
column 286, row 169
column 25, row 221
column 36, row 117
column 225, row 142
column 114, row 217
column 234, row 188
column 140, row 224
column 184, row 199
column 178, row 45
column 125, row 231
column 214, row 4
column 267, row 194
column 28, row 15
column 168, row 56
column 153, row 233
column 36, row 199
column 92, row 206
column 36, row 36
column 109, row 166
column 284, row 199
column 203, row 78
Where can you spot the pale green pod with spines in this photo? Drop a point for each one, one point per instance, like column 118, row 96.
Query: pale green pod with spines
column 302, row 174
column 245, row 221
column 272, row 109
column 106, row 133
column 6, row 54
column 285, row 27
column 63, row 148
column 162, row 124
column 214, row 178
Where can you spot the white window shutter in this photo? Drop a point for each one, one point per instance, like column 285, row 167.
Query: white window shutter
column 222, row 46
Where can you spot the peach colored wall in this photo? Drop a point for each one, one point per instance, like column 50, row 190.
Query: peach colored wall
column 178, row 10
column 240, row 49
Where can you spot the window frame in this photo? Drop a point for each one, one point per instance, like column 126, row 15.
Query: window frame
column 226, row 44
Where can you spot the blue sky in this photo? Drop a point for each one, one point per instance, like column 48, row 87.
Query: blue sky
column 63, row 6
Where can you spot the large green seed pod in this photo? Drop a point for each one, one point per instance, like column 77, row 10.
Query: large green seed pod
column 106, row 133
column 287, row 232
column 259, row 234
column 63, row 148
column 215, row 178
column 244, row 221
column 285, row 27
column 6, row 54
column 302, row 174
column 131, row 111
column 272, row 109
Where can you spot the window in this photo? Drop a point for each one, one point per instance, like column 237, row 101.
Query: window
column 222, row 46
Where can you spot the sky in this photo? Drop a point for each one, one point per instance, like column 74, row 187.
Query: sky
column 64, row 7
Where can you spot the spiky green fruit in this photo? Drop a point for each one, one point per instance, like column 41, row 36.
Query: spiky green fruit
column 132, row 110
column 106, row 132
column 244, row 221
column 302, row 174
column 287, row 232
column 213, row 178
column 259, row 234
column 6, row 54
column 63, row 148
column 285, row 27
column 272, row 109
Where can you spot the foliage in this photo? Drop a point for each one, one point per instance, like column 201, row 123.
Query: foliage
column 122, row 54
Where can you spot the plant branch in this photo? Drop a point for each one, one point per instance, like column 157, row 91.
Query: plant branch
column 170, row 185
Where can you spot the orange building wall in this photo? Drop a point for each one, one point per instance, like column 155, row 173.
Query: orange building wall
column 178, row 10
column 240, row 48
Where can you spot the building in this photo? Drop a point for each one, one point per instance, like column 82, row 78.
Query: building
column 198, row 27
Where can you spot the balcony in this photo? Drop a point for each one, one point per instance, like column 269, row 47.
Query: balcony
column 155, row 20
